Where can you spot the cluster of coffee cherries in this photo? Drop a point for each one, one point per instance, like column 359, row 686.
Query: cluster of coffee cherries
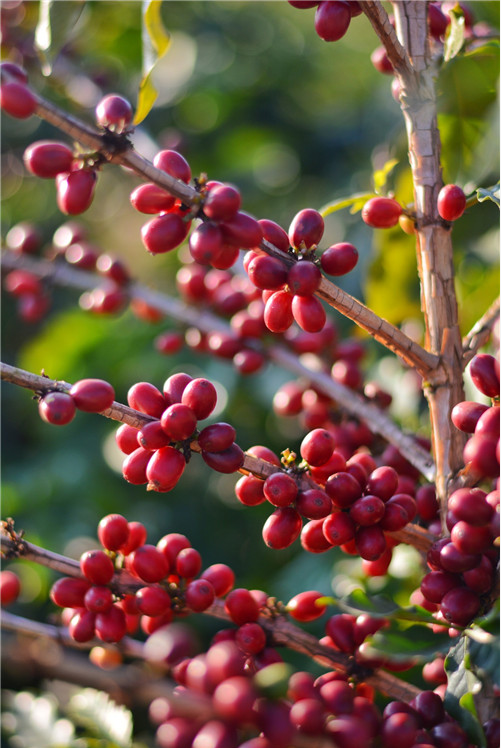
column 89, row 395
column 348, row 503
column 158, row 451
column 332, row 17
column 463, row 566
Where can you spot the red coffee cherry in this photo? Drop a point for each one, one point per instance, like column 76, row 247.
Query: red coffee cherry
column 307, row 227
column 75, row 190
column 114, row 112
column 368, row 510
column 221, row 577
column 383, row 482
column 199, row 595
column 469, row 505
column 217, row 437
column 308, row 313
column 164, row 469
column 338, row 528
column 227, row 461
column 339, row 259
column 24, row 238
column 97, row 567
column 164, row 233
column 381, row 62
column 69, row 592
column 150, row 198
column 341, row 629
column 303, row 278
column 343, row 489
column 460, row 606
column 137, row 537
column 484, row 374
column 17, row 100
column 436, row 584
column 135, row 464
column 451, row 202
column 10, row 587
column 222, row 202
column 249, row 491
column 370, row 542
column 313, row 503
column 381, row 212
column 92, row 395
column 22, row 282
column 282, row 528
column 152, row 601
column 201, row 396
column 113, row 531
column 242, row 231
column 278, row 315
column 206, row 243
column 171, row 545
column 188, row 563
column 274, row 234
column 57, row 408
column 465, row 415
column 470, row 538
column 111, row 626
column 174, row 164
column 317, row 447
column 82, row 626
column 48, row 158
column 332, row 19
column 437, row 21
column 178, row 421
column 303, row 4
column 280, row 489
column 146, row 398
column 303, row 606
column 267, row 273
column 149, row 563
column 98, row 599
column 241, row 606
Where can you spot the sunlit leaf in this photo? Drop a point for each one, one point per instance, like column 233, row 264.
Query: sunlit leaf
column 380, row 176
column 455, row 36
column 155, row 41
column 359, row 601
column 354, row 202
column 415, row 641
column 462, row 685
column 56, row 21
column 99, row 714
column 490, row 193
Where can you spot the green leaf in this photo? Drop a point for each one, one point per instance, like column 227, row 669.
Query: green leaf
column 359, row 601
column 380, row 176
column 273, row 680
column 156, row 41
column 462, row 685
column 414, row 641
column 489, row 193
column 99, row 714
column 455, row 36
column 56, row 21
column 355, row 203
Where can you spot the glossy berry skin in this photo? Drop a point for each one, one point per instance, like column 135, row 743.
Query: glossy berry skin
column 221, row 577
column 267, row 273
column 451, row 202
column 178, row 421
column 307, row 228
column 135, row 464
column 17, row 100
column 57, row 408
column 278, row 315
column 48, row 158
column 200, row 395
column 146, row 398
column 381, row 212
column 308, row 313
column 174, row 164
column 111, row 626
column 82, row 626
column 69, row 592
column 149, row 563
column 10, row 587
column 152, row 436
column 282, row 528
column 484, row 374
column 98, row 599
column 113, row 531
column 150, row 198
column 332, row 19
column 165, row 468
column 242, row 231
column 465, row 415
column 317, row 447
column 339, row 259
column 114, row 112
column 75, row 191
column 164, row 233
column 280, row 489
column 222, row 202
column 227, row 461
column 92, row 395
column 241, row 606
column 303, row 278
column 460, row 606
column 303, row 606
column 97, row 567
column 217, row 437
column 199, row 595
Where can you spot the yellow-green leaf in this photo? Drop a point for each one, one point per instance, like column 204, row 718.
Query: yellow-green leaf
column 381, row 175
column 354, row 202
column 56, row 21
column 155, row 40
column 490, row 193
column 455, row 36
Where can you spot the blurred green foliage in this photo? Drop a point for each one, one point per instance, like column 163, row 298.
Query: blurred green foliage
column 249, row 94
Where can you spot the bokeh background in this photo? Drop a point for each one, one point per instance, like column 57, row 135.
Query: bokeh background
column 249, row 94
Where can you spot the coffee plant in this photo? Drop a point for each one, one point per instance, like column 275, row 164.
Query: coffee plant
column 290, row 534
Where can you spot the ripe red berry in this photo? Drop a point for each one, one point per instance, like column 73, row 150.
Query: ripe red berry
column 111, row 626
column 199, row 595
column 282, row 528
column 69, row 592
column 135, row 464
column 303, row 278
column 280, row 489
column 97, row 567
column 485, row 374
column 75, row 190
column 381, row 62
column 149, row 563
column 339, row 259
column 146, row 398
column 381, row 212
column 164, row 233
column 370, row 542
column 451, row 202
column 178, row 421
column 307, row 226
column 332, row 19
column 113, row 531
column 150, row 198
column 222, row 202
column 48, row 158
column 221, row 577
column 460, row 605
column 278, row 315
column 98, row 599
column 174, row 164
column 241, row 606
column 304, row 607
column 92, row 395
column 368, row 510
column 165, row 468
column 57, row 408
column 317, row 447
column 152, row 601
column 308, row 313
column 338, row 528
column 249, row 491
column 17, row 100
column 343, row 489
column 201, row 396
column 82, row 626
column 114, row 112
column 10, row 587
column 227, row 461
